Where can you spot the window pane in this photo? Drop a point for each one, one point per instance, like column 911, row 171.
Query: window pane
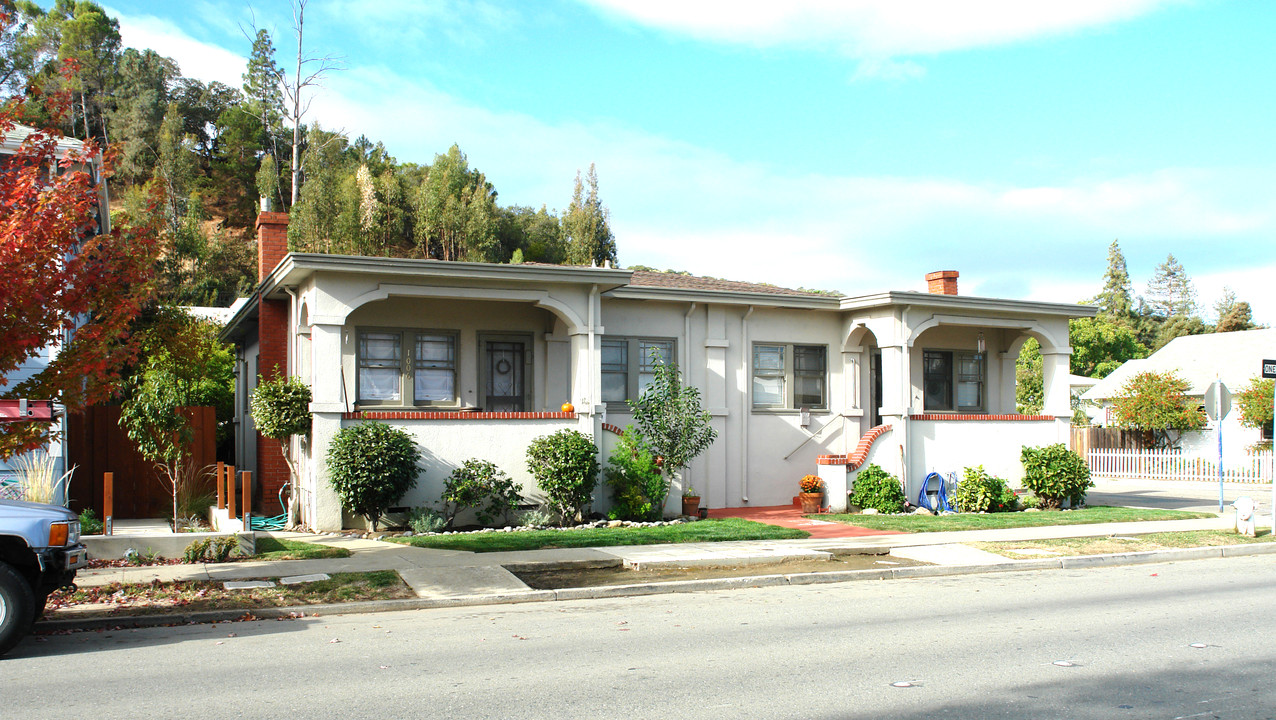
column 768, row 391
column 614, row 386
column 435, row 350
column 645, row 362
column 378, row 383
column 434, row 385
column 379, row 349
column 937, row 380
column 616, row 353
column 768, row 357
column 968, row 395
column 808, row 359
column 808, row 391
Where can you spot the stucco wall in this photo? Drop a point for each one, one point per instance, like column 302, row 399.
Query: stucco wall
column 949, row 446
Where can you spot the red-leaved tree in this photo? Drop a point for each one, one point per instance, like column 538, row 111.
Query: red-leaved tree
column 59, row 278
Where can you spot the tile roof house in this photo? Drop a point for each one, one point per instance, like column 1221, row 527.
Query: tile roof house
column 477, row 360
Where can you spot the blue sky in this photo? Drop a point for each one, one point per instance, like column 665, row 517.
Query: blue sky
column 852, row 145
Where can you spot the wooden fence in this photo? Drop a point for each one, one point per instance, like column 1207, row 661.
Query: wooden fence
column 97, row 444
column 1085, row 439
column 1174, row 465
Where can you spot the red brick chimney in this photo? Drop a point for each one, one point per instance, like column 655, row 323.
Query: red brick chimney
column 942, row 282
column 272, row 349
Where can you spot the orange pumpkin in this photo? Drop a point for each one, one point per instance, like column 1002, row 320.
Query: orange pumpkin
column 568, row 407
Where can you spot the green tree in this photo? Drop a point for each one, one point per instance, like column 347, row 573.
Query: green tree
column 1157, row 405
column 586, row 226
column 1233, row 314
column 141, row 101
column 671, row 424
column 455, row 211
column 91, row 38
column 1116, row 300
column 326, row 215
column 1029, row 379
column 280, row 408
column 1100, row 346
column 264, row 99
column 1170, row 292
column 152, row 419
column 1255, row 403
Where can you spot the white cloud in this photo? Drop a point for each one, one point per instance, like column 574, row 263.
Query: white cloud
column 196, row 59
column 681, row 206
column 875, row 28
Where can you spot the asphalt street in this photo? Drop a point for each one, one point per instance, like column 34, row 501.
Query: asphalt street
column 1175, row 494
column 1187, row 639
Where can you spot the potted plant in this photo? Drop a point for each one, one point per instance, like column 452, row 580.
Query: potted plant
column 812, row 493
column 690, row 502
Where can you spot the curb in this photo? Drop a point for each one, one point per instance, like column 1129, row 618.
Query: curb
column 1078, row 562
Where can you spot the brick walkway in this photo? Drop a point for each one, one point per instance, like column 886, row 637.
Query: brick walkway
column 790, row 516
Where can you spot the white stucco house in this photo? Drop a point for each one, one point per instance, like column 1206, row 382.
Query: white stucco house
column 1234, row 357
column 477, row 360
column 13, row 407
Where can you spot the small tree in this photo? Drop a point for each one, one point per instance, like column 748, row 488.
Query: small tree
column 280, row 408
column 1255, row 402
column 152, row 420
column 634, row 479
column 565, row 466
column 672, row 426
column 1157, row 404
column 371, row 466
column 481, row 485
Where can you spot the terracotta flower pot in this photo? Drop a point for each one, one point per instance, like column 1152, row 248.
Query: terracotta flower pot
column 691, row 505
column 811, row 502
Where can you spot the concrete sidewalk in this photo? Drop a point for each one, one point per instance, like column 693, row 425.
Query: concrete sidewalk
column 441, row 574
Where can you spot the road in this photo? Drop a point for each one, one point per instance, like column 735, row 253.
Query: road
column 1175, row 494
column 972, row 647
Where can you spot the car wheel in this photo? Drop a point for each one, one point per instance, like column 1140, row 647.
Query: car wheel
column 16, row 605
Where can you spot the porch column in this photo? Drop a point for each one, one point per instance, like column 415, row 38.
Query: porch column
column 321, row 506
column 853, row 411
column 1006, row 384
column 1057, row 398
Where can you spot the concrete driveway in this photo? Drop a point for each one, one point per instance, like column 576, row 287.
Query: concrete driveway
column 1173, row 494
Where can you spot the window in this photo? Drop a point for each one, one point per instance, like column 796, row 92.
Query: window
column 944, row 370
column 790, row 377
column 628, row 366
column 386, row 379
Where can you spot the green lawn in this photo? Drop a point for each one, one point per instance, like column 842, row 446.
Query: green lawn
column 701, row 531
column 994, row 521
column 269, row 548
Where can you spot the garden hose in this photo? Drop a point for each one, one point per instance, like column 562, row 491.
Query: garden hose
column 941, row 499
column 276, row 522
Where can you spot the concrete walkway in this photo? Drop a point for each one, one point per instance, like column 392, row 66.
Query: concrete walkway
column 441, row 574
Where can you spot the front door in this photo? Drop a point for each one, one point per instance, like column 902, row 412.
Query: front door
column 505, row 382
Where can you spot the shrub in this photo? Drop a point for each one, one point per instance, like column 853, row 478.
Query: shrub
column 426, row 520
column 875, row 488
column 980, row 492
column 371, row 466
column 535, row 517
column 565, row 466
column 481, row 485
column 211, row 549
column 635, row 481
column 1054, row 474
column 89, row 524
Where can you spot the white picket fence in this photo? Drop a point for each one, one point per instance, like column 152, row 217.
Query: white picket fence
column 1173, row 465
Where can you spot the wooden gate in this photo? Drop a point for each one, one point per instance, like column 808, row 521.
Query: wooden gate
column 96, row 444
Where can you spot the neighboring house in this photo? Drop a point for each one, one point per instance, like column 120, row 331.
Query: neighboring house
column 10, row 143
column 1234, row 357
column 476, row 360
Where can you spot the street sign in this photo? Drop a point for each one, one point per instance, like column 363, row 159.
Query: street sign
column 1269, row 368
column 1218, row 401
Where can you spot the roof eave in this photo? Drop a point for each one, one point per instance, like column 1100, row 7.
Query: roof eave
column 724, row 297
column 966, row 302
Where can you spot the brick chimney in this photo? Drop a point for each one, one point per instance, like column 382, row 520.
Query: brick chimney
column 942, row 282
column 272, row 241
column 272, row 348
